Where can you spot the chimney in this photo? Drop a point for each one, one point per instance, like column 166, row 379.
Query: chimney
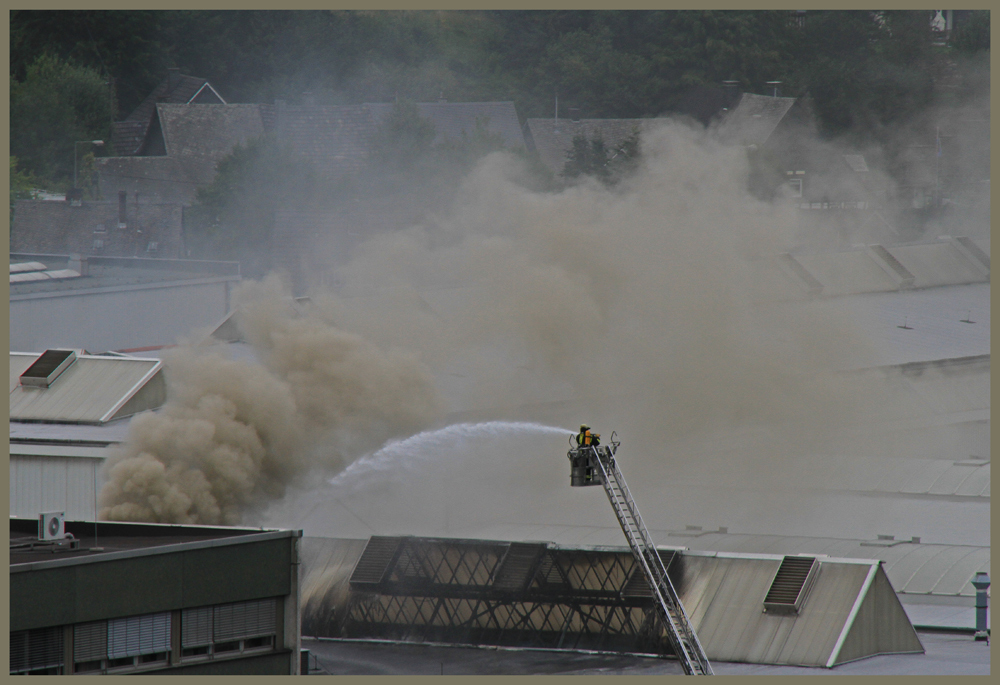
column 173, row 77
column 79, row 264
column 731, row 93
column 774, row 87
column 122, row 221
column 574, row 114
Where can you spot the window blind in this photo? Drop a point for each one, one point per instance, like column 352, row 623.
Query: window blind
column 137, row 635
column 244, row 619
column 90, row 641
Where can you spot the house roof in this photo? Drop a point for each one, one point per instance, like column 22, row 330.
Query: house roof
column 553, row 138
column 453, row 119
column 754, row 119
column 129, row 135
column 333, row 137
column 93, row 228
column 199, row 136
column 93, row 389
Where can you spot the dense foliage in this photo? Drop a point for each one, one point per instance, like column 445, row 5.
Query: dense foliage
column 864, row 70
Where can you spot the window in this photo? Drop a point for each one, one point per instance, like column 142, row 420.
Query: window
column 98, row 244
column 228, row 629
column 99, row 228
column 122, row 644
column 795, row 184
column 38, row 651
column 153, row 246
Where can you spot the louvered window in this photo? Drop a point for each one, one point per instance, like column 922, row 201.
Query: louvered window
column 244, row 619
column 196, row 627
column 90, row 641
column 137, row 635
column 36, row 650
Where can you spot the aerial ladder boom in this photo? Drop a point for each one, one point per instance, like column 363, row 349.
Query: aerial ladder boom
column 596, row 465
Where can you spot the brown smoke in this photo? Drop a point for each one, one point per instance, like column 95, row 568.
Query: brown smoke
column 234, row 433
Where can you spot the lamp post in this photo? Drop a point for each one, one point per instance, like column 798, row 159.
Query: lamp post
column 98, row 143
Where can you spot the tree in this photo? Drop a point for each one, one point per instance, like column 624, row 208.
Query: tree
column 22, row 185
column 403, row 137
column 55, row 105
column 973, row 35
column 593, row 158
column 233, row 217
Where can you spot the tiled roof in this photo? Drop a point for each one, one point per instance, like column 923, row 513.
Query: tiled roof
column 451, row 119
column 60, row 228
column 128, row 135
column 553, row 138
column 754, row 119
column 334, row 137
column 199, row 136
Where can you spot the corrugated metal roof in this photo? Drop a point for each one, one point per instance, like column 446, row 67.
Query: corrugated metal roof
column 106, row 434
column 945, row 569
column 92, row 390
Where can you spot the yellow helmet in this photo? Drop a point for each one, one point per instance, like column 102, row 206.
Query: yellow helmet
column 584, row 427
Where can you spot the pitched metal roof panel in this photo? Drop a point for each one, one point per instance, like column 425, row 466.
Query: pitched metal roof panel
column 86, row 392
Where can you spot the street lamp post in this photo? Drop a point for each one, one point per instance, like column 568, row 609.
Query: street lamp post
column 98, row 143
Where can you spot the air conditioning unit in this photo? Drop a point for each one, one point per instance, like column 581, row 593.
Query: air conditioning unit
column 51, row 526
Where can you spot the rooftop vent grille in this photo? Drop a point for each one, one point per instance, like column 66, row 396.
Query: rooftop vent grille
column 375, row 561
column 47, row 368
column 790, row 584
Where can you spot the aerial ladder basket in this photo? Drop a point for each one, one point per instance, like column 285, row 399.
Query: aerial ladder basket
column 596, row 465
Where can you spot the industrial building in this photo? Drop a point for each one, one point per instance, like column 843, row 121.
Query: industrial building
column 67, row 409
column 139, row 598
column 102, row 304
column 546, row 596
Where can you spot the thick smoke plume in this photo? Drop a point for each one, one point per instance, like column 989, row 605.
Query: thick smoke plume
column 234, row 433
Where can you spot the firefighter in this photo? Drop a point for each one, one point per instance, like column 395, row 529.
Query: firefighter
column 587, row 439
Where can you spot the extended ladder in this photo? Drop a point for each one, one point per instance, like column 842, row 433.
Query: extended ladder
column 682, row 636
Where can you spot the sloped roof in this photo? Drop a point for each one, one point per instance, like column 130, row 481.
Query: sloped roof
column 93, row 389
column 553, row 138
column 754, row 119
column 723, row 595
column 129, row 135
column 452, row 119
column 199, row 136
column 333, row 137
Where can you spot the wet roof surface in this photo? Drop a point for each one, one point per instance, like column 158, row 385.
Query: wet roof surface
column 946, row 654
column 111, row 537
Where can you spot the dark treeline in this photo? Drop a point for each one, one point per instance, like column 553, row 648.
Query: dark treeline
column 863, row 70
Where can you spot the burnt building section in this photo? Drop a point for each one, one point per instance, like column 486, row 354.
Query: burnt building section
column 757, row 608
column 150, row 598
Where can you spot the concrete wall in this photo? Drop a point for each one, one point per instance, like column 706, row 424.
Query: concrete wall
column 117, row 318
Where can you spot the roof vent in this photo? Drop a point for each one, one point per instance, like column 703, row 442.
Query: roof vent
column 790, row 585
column 47, row 368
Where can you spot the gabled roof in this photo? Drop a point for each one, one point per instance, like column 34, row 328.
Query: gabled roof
column 93, row 389
column 129, row 135
column 199, row 136
column 754, row 119
column 334, row 138
column 553, row 138
column 452, row 119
